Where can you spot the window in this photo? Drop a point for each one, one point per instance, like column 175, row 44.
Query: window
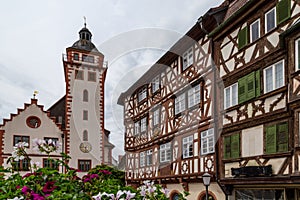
column 21, row 165
column 207, row 141
column 155, row 84
column 142, row 159
column 270, row 20
column 249, row 86
column 243, row 37
column 18, row 139
column 188, row 58
column 156, row 117
column 276, row 138
column 55, row 140
column 79, row 74
column 297, row 54
column 231, row 96
column 232, row 146
column 277, row 194
column 50, row 163
column 76, row 56
column 283, row 9
column 137, row 128
column 149, row 157
column 165, row 152
column 85, row 96
column 85, row 135
column 179, row 103
column 84, row 165
column 87, row 58
column 92, row 76
column 144, row 124
column 142, row 94
column 174, row 196
column 273, row 77
column 187, row 146
column 194, row 96
column 85, row 115
column 255, row 30
column 33, row 122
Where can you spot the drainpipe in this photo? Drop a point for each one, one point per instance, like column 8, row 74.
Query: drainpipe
column 215, row 104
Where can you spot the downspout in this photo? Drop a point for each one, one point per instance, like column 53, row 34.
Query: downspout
column 215, row 110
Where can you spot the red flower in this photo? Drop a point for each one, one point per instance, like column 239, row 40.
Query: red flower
column 49, row 187
column 25, row 190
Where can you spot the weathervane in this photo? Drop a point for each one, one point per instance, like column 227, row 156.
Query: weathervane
column 84, row 18
column 35, row 93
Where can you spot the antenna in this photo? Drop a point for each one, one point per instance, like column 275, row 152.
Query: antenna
column 84, row 18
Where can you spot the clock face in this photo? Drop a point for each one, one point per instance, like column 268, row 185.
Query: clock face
column 85, row 147
column 33, row 122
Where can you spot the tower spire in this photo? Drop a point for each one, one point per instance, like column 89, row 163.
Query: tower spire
column 84, row 18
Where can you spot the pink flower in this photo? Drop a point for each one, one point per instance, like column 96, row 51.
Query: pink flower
column 37, row 196
column 49, row 187
column 25, row 190
column 106, row 172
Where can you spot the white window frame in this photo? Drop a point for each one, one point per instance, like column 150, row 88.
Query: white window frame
column 165, row 152
column 149, row 158
column 155, row 117
column 266, row 20
column 297, row 54
column 155, row 84
column 187, row 58
column 180, row 103
column 251, row 31
column 142, row 94
column 232, row 97
column 187, row 142
column 137, row 128
column 274, row 77
column 207, row 142
column 142, row 159
column 144, row 124
column 194, row 96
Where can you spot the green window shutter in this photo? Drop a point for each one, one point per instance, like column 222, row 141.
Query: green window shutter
column 283, row 8
column 282, row 137
column 250, row 92
column 227, row 147
column 242, row 95
column 271, row 139
column 235, row 146
column 257, row 83
column 243, row 37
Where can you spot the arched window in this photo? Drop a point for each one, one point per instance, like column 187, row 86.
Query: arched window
column 174, row 195
column 85, row 135
column 202, row 196
column 85, row 95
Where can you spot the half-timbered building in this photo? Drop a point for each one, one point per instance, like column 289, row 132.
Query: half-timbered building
column 257, row 54
column 168, row 117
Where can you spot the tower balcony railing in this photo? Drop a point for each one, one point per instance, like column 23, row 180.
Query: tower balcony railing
column 84, row 60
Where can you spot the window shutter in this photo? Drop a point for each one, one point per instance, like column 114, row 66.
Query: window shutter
column 283, row 8
column 242, row 89
column 243, row 37
column 282, row 137
column 271, row 139
column 235, row 146
column 227, row 147
column 250, row 92
column 257, row 83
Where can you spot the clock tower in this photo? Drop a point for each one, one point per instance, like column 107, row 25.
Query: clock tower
column 85, row 73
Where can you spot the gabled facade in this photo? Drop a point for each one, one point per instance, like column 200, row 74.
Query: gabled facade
column 168, row 117
column 256, row 52
column 29, row 123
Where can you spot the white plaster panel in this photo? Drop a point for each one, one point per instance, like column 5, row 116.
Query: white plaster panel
column 230, row 64
column 226, row 50
column 252, row 141
column 228, row 167
column 249, row 53
column 274, row 39
column 276, row 164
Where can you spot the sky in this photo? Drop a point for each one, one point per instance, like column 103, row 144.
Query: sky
column 132, row 35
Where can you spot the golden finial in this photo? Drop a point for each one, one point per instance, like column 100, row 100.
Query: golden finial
column 35, row 93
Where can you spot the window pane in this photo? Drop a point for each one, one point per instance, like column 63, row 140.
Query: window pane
column 278, row 75
column 255, row 31
column 270, row 20
column 269, row 79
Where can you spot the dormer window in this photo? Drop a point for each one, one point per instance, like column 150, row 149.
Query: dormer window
column 142, row 94
column 187, row 59
column 76, row 56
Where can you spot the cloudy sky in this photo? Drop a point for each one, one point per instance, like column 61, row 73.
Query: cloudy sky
column 131, row 34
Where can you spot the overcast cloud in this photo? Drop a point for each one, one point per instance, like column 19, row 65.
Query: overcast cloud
column 132, row 35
